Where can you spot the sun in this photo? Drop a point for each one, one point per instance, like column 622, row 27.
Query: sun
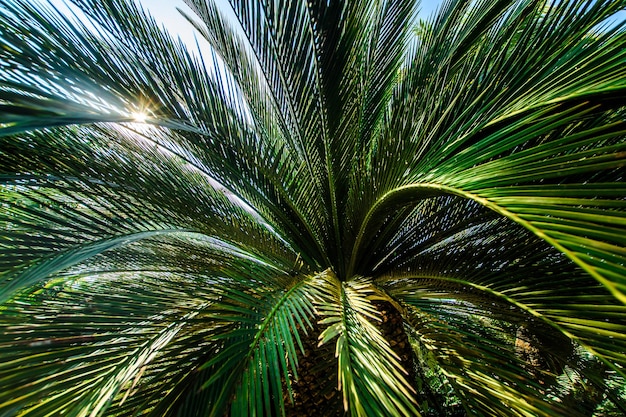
column 139, row 117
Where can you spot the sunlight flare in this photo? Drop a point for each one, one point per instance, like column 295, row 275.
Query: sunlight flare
column 139, row 116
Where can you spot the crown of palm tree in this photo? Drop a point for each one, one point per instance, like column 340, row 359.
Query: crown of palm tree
column 175, row 227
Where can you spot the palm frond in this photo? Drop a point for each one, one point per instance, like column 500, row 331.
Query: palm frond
column 558, row 132
column 258, row 355
column 476, row 277
column 82, row 359
column 369, row 373
column 111, row 343
column 494, row 369
column 100, row 197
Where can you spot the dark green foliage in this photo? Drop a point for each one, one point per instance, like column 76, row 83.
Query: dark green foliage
column 179, row 230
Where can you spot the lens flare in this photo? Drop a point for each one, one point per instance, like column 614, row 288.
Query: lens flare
column 139, row 117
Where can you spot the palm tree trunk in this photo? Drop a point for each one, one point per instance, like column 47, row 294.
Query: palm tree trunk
column 315, row 390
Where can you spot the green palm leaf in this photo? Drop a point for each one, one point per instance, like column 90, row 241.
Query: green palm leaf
column 361, row 350
column 182, row 229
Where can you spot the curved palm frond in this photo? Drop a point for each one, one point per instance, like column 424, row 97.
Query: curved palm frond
column 511, row 143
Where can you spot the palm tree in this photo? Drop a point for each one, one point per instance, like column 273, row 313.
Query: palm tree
column 201, row 234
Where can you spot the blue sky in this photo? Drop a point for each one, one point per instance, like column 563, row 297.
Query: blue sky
column 165, row 12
